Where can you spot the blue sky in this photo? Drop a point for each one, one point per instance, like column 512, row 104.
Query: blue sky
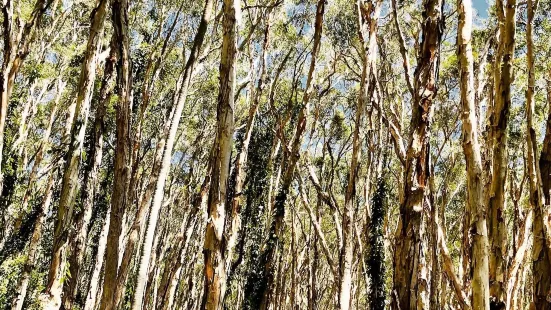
column 481, row 6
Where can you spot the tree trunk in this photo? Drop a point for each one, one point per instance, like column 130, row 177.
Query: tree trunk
column 72, row 160
column 215, row 243
column 368, row 13
column 269, row 255
column 122, row 150
column 28, row 266
column 497, row 137
column 475, row 210
column 79, row 235
column 539, row 180
column 167, row 156
column 411, row 275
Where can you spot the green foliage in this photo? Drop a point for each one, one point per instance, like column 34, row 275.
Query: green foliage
column 376, row 255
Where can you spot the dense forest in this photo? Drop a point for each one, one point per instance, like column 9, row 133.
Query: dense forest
column 275, row 154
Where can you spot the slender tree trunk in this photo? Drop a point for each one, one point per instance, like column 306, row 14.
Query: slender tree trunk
column 69, row 183
column 93, row 291
column 79, row 235
column 411, row 275
column 17, row 45
column 23, row 283
column 269, row 255
column 368, row 13
column 215, row 242
column 122, row 150
column 497, row 137
column 475, row 209
column 167, row 156
column 539, row 181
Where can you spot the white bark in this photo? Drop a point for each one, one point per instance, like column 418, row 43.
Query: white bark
column 167, row 156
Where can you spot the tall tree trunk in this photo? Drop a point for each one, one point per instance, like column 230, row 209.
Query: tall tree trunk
column 411, row 275
column 368, row 12
column 92, row 294
column 122, row 150
column 17, row 45
column 44, row 145
column 497, row 137
column 28, row 266
column 233, row 222
column 167, row 156
column 215, row 242
column 269, row 255
column 475, row 209
column 73, row 157
column 539, row 180
column 79, row 234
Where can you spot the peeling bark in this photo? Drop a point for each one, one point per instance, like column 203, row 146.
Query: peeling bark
column 411, row 273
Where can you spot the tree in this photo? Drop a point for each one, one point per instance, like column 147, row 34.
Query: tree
column 475, row 208
column 122, row 150
column 214, row 248
column 411, row 275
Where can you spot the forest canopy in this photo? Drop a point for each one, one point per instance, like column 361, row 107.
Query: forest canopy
column 275, row 154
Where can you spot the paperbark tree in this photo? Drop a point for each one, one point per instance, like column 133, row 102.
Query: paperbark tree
column 122, row 150
column 497, row 140
column 273, row 246
column 73, row 157
column 167, row 156
column 214, row 248
column 475, row 208
column 411, row 274
column 368, row 12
